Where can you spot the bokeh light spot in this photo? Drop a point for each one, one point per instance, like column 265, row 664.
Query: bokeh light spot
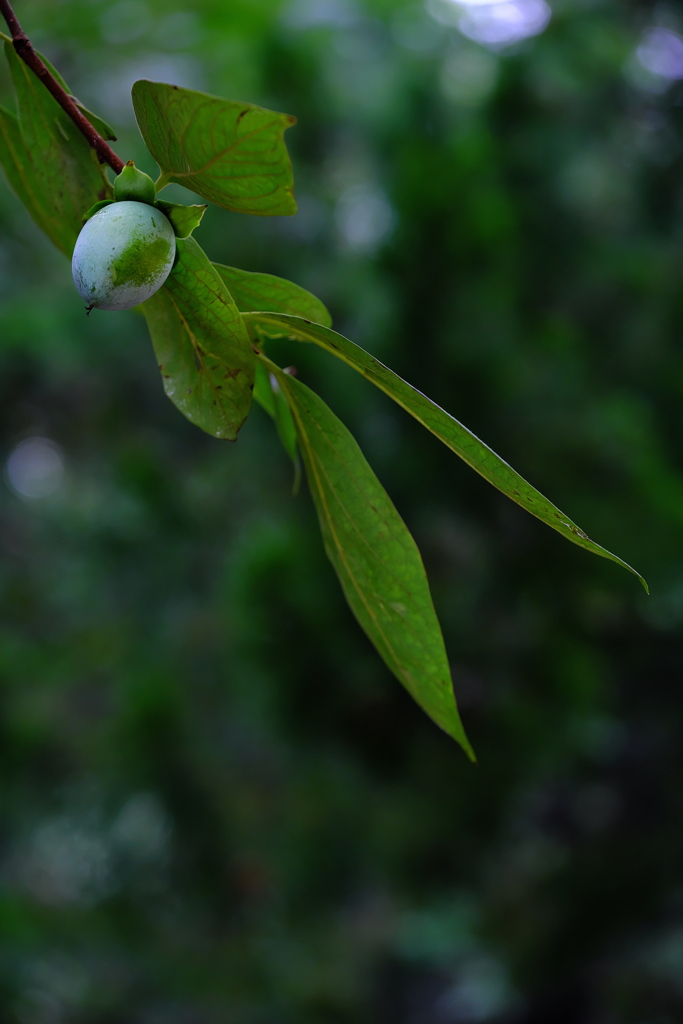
column 495, row 24
column 365, row 217
column 35, row 469
column 661, row 53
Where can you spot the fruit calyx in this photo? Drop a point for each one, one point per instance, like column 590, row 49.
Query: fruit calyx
column 134, row 186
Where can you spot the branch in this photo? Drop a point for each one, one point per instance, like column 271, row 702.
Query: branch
column 22, row 45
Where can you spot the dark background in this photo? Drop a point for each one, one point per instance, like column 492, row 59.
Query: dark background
column 216, row 804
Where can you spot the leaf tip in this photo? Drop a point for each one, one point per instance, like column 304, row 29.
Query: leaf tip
column 461, row 738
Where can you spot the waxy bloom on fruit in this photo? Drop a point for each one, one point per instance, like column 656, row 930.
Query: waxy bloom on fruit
column 123, row 255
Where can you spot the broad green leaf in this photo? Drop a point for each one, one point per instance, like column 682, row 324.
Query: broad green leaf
column 183, row 218
column 54, row 170
column 453, row 434
column 265, row 291
column 205, row 356
column 374, row 555
column 232, row 154
column 22, row 179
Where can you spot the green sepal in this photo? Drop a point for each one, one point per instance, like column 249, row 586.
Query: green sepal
column 133, row 185
column 184, row 219
column 96, row 209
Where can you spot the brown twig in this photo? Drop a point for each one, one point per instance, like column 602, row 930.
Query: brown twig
column 22, row 44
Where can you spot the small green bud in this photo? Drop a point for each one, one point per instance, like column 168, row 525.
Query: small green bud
column 134, row 185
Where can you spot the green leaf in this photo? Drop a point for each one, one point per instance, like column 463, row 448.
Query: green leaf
column 98, row 123
column 265, row 291
column 184, row 219
column 263, row 393
column 21, row 178
column 205, row 356
column 49, row 164
column 453, row 434
column 232, row 154
column 374, row 555
column 268, row 394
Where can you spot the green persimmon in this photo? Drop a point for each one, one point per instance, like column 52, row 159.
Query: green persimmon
column 123, row 255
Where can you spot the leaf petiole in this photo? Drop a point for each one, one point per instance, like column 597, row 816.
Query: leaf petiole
column 162, row 181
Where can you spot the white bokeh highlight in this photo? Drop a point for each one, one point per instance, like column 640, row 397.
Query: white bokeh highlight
column 364, row 217
column 661, row 53
column 35, row 469
column 493, row 23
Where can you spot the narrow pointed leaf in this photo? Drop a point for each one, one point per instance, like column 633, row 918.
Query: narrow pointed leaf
column 98, row 123
column 268, row 394
column 205, row 357
column 375, row 557
column 232, row 154
column 263, row 392
column 50, row 166
column 267, row 292
column 453, row 434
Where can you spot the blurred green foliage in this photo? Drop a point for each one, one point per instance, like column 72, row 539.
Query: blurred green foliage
column 216, row 805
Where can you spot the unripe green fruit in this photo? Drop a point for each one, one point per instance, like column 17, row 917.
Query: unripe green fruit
column 123, row 255
column 134, row 185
